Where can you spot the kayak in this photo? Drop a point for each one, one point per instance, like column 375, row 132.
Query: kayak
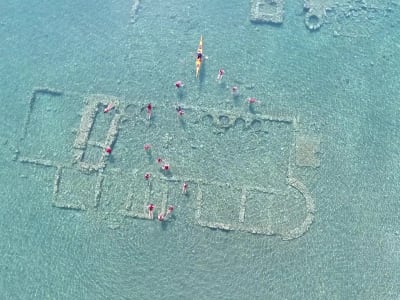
column 199, row 57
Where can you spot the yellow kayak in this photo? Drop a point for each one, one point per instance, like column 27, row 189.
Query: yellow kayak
column 199, row 58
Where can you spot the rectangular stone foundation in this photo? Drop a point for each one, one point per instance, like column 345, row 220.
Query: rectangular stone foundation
column 240, row 167
column 267, row 11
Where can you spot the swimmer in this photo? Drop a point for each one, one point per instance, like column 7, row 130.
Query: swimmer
column 109, row 107
column 160, row 217
column 169, row 211
column 221, row 73
column 184, row 187
column 180, row 111
column 149, row 111
column 150, row 208
column 179, row 84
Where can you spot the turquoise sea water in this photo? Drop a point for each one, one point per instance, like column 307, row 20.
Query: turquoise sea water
column 327, row 117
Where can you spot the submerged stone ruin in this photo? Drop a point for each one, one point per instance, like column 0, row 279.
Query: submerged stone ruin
column 253, row 182
column 319, row 12
column 267, row 11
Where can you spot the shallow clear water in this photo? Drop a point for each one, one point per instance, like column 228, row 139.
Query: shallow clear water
column 311, row 168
